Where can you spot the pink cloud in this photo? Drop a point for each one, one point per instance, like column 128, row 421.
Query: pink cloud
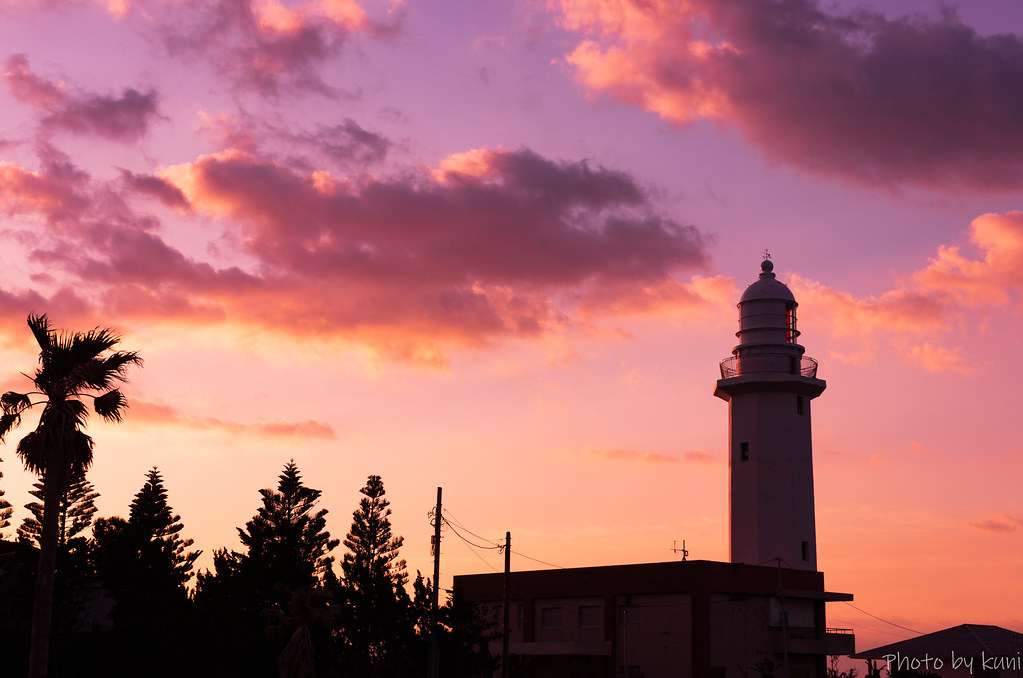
column 143, row 412
column 344, row 145
column 939, row 359
column 121, row 118
column 870, row 99
column 267, row 46
column 409, row 266
column 700, row 457
column 997, row 524
column 634, row 456
column 640, row 457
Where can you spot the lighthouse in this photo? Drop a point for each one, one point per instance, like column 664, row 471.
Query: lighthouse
column 769, row 383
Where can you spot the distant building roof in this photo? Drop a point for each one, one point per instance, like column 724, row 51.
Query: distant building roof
column 966, row 640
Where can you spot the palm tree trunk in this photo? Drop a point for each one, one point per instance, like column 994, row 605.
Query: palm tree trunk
column 42, row 608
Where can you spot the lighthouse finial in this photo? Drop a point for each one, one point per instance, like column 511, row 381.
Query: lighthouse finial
column 767, row 255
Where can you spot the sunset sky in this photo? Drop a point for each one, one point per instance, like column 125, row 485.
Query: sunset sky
column 497, row 246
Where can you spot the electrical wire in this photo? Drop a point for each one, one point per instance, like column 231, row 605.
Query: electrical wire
column 456, row 522
column 544, row 562
column 898, row 626
column 463, row 538
column 452, row 521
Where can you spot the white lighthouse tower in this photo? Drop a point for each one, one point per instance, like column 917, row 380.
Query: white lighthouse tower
column 769, row 384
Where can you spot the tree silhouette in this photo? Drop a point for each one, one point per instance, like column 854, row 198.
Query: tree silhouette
column 71, row 367
column 273, row 588
column 144, row 564
column 76, row 504
column 6, row 510
column 382, row 626
column 287, row 543
column 162, row 550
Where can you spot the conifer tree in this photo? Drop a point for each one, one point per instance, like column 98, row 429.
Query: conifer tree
column 6, row 510
column 288, row 545
column 77, row 505
column 374, row 579
column 144, row 563
column 159, row 529
column 274, row 590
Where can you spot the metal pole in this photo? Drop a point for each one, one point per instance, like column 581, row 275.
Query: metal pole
column 506, row 611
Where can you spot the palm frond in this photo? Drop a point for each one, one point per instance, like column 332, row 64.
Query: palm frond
column 70, row 412
column 81, row 454
column 14, row 402
column 40, row 326
column 32, row 451
column 116, row 364
column 7, row 423
column 111, row 405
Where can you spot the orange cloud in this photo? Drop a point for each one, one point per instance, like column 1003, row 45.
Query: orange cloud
column 932, row 301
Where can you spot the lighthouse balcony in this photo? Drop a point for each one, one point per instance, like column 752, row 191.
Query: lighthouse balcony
column 735, row 366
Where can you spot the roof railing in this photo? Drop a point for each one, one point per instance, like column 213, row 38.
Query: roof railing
column 735, row 366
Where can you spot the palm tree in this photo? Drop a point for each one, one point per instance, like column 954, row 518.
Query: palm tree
column 71, row 367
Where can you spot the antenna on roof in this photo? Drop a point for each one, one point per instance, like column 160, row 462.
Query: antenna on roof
column 676, row 549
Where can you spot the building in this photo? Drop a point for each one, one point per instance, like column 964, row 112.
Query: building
column 763, row 612
column 956, row 652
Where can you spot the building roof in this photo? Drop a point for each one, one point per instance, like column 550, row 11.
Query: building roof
column 966, row 640
column 640, row 578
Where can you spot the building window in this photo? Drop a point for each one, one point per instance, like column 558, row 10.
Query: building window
column 744, row 451
column 806, row 550
column 550, row 617
column 591, row 616
column 799, row 404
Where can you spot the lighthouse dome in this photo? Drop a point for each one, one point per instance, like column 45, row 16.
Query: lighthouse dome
column 767, row 287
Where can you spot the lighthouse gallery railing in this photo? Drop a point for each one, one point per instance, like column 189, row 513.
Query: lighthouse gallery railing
column 762, row 364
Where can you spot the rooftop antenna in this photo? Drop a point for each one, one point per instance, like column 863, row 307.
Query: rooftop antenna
column 676, row 549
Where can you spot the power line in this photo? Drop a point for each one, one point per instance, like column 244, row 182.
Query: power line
column 522, row 555
column 463, row 538
column 861, row 625
column 454, row 521
column 904, row 628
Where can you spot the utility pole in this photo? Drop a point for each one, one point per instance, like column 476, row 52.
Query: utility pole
column 504, row 607
column 434, row 667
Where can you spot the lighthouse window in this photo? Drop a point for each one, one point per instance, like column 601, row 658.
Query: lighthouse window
column 799, row 404
column 806, row 550
column 744, row 451
column 790, row 325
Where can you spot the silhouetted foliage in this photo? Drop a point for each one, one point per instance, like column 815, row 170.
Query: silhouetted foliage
column 77, row 504
column 833, row 671
column 382, row 625
column 144, row 563
column 6, row 510
column 18, row 562
column 274, row 589
column 71, row 366
column 287, row 543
